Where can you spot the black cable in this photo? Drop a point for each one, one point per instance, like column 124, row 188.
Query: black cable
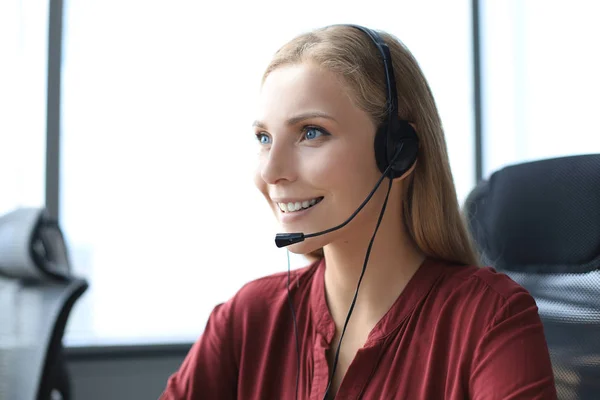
column 337, row 353
column 384, row 175
column 291, row 304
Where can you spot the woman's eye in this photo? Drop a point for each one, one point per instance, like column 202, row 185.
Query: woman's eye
column 312, row 132
column 263, row 138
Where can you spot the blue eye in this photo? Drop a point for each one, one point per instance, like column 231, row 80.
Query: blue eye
column 263, row 138
column 312, row 132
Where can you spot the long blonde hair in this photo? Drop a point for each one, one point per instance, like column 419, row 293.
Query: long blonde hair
column 431, row 213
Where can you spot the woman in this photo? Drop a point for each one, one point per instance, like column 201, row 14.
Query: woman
column 427, row 322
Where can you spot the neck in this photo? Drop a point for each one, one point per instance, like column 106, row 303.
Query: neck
column 393, row 261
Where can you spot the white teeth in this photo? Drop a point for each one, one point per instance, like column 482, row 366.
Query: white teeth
column 296, row 206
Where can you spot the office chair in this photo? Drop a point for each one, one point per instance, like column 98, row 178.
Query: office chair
column 37, row 294
column 539, row 222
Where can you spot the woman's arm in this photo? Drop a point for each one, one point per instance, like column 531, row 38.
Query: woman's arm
column 512, row 359
column 210, row 370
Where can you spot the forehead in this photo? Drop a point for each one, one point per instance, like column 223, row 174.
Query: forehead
column 297, row 88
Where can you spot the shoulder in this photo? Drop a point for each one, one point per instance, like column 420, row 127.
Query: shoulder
column 485, row 279
column 483, row 293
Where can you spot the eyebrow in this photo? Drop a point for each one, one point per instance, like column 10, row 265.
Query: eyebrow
column 298, row 118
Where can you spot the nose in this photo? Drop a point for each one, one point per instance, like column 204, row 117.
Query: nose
column 279, row 164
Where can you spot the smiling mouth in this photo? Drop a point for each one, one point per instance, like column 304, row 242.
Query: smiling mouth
column 299, row 205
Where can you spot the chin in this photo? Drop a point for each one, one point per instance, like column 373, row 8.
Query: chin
column 302, row 248
column 307, row 246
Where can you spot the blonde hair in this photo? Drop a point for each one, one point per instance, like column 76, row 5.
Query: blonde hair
column 431, row 213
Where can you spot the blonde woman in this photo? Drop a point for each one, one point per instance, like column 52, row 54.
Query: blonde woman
column 394, row 305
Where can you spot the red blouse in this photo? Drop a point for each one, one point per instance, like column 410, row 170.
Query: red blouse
column 455, row 332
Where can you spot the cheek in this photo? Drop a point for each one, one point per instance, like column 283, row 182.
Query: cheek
column 347, row 172
column 323, row 171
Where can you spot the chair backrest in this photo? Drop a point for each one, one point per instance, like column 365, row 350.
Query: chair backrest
column 33, row 317
column 37, row 294
column 539, row 222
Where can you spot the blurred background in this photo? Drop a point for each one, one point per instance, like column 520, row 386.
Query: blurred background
column 131, row 121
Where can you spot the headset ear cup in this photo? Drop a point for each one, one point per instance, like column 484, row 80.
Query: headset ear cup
column 407, row 157
column 403, row 138
column 381, row 155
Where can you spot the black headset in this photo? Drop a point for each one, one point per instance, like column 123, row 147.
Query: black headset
column 394, row 134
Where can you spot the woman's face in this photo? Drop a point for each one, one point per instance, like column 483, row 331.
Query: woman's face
column 316, row 158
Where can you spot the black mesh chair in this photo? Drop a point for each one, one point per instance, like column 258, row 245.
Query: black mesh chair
column 539, row 222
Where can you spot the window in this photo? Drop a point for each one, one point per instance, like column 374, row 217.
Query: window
column 23, row 70
column 540, row 80
column 157, row 198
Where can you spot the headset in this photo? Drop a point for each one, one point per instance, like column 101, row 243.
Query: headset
column 396, row 149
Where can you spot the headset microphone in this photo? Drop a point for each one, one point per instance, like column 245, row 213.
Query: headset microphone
column 286, row 239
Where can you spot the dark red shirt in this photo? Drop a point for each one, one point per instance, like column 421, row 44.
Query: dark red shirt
column 455, row 332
